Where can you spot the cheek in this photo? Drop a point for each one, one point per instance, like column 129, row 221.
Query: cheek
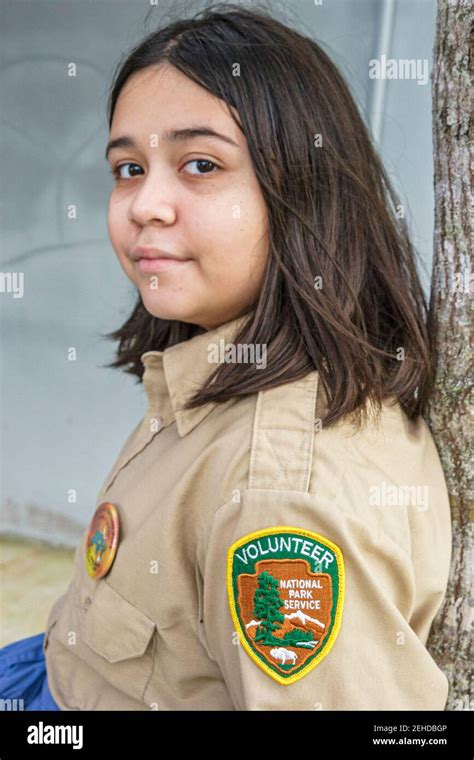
column 228, row 229
column 116, row 223
column 251, row 235
column 112, row 220
column 237, row 246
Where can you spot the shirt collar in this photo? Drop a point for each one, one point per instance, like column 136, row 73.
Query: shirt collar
column 172, row 376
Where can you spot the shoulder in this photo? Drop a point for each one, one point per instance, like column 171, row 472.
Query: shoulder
column 276, row 442
column 385, row 445
column 385, row 475
column 381, row 474
column 291, row 448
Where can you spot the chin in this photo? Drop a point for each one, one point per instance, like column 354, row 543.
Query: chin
column 162, row 309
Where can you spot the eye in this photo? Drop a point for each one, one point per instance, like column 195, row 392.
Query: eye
column 203, row 162
column 116, row 171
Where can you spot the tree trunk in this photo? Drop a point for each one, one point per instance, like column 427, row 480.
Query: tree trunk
column 450, row 407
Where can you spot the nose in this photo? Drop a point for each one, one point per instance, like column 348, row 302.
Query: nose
column 152, row 202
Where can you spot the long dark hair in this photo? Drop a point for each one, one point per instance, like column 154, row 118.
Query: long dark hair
column 332, row 214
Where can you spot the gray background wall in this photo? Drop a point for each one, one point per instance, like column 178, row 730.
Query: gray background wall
column 62, row 423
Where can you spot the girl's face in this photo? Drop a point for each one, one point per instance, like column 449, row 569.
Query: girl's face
column 193, row 197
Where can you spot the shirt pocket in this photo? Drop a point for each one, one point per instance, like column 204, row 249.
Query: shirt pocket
column 122, row 639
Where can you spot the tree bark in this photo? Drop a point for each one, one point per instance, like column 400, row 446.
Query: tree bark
column 451, row 403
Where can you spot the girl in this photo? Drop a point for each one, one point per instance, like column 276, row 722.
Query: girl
column 275, row 533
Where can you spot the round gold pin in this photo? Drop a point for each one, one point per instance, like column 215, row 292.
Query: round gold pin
column 102, row 540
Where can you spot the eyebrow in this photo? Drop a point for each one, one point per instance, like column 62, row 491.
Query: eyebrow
column 172, row 136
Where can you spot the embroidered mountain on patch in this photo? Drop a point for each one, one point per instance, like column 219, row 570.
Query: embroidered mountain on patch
column 286, row 593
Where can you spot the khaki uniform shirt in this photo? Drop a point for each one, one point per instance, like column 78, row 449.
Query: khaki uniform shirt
column 263, row 563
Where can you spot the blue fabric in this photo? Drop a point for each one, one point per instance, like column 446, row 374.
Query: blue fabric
column 23, row 674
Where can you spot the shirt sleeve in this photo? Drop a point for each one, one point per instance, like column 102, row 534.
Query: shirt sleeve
column 307, row 606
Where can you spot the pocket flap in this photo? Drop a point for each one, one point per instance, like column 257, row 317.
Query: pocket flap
column 113, row 627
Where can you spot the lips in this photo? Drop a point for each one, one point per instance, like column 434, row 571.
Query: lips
column 153, row 265
column 150, row 259
column 150, row 252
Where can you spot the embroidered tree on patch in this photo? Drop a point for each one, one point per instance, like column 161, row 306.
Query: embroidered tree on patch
column 267, row 602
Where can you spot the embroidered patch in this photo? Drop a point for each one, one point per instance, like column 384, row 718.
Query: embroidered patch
column 286, row 594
